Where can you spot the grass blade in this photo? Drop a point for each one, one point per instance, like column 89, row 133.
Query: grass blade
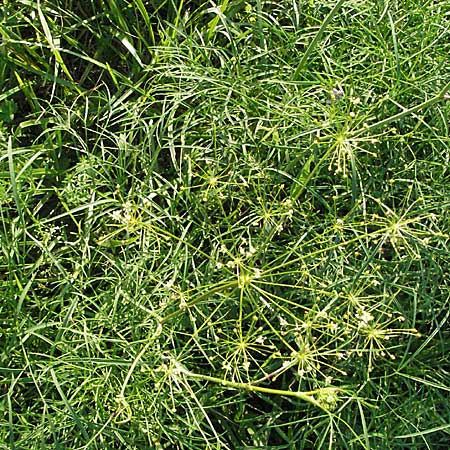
column 313, row 44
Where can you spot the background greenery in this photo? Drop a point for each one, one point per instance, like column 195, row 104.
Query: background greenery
column 224, row 225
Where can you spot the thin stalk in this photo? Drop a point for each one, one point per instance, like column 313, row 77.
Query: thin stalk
column 305, row 396
column 297, row 190
column 13, row 178
column 260, row 30
column 313, row 44
column 200, row 298
column 437, row 98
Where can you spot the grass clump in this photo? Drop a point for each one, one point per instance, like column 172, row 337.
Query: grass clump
column 224, row 225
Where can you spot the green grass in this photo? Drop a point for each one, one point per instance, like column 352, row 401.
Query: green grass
column 224, row 226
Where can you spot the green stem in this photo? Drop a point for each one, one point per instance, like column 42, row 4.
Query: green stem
column 313, row 44
column 296, row 191
column 437, row 98
column 305, row 396
column 218, row 288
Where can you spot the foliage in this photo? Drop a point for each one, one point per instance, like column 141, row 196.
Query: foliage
column 224, row 225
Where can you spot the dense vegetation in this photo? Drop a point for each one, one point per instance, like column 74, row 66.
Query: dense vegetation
column 224, row 226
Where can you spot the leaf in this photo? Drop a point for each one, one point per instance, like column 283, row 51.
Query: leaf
column 7, row 110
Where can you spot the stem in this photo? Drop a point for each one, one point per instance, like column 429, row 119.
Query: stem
column 313, row 44
column 201, row 297
column 437, row 98
column 305, row 396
